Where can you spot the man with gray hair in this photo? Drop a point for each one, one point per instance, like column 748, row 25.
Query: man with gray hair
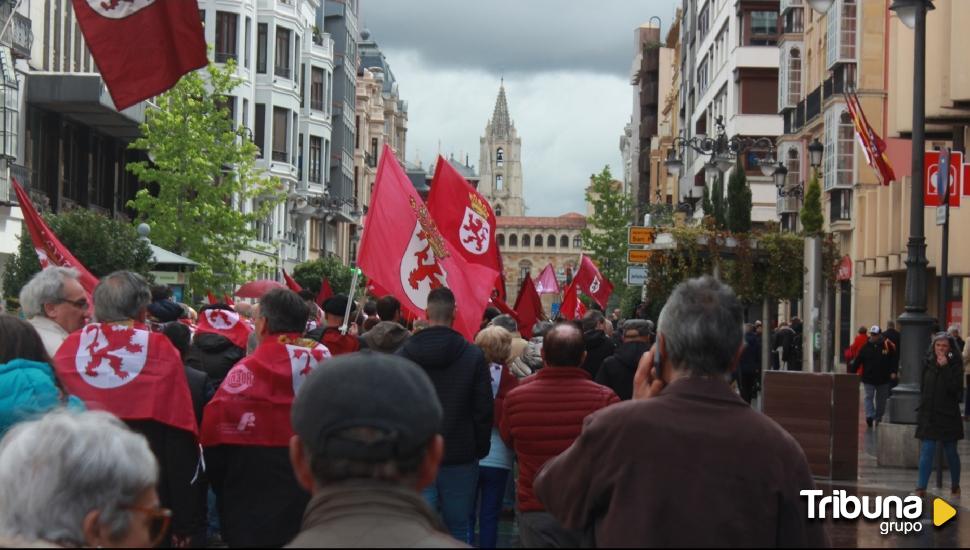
column 55, row 303
column 687, row 462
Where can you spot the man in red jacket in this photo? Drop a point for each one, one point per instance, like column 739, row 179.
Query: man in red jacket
column 541, row 419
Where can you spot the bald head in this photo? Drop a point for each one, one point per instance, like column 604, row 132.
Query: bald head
column 563, row 346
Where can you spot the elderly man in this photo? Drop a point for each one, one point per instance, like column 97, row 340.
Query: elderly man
column 138, row 376
column 687, row 462
column 55, row 304
column 368, row 439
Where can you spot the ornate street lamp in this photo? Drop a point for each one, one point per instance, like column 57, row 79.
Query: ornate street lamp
column 815, row 151
column 821, row 6
column 674, row 165
column 914, row 322
column 780, row 175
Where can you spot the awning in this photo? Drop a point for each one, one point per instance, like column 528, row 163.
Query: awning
column 163, row 257
column 85, row 99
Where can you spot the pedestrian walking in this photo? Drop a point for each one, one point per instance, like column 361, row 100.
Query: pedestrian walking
column 749, row 367
column 618, row 370
column 599, row 345
column 541, row 419
column 939, row 422
column 861, row 337
column 461, row 379
column 219, row 344
column 494, row 469
column 782, row 344
column 879, row 368
column 687, row 462
column 54, row 302
column 954, row 332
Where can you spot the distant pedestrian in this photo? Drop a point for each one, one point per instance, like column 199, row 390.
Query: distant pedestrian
column 386, row 337
column 533, row 354
column 939, row 422
column 686, row 463
column 782, row 346
column 389, row 309
column 892, row 334
column 749, row 367
column 879, row 368
column 954, row 332
column 861, row 337
column 541, row 419
column 617, row 370
column 518, row 348
column 792, row 353
column 217, row 346
column 599, row 345
column 330, row 335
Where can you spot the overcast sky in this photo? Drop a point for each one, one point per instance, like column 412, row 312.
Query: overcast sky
column 566, row 66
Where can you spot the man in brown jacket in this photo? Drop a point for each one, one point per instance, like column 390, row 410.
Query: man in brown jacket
column 367, row 441
column 687, row 462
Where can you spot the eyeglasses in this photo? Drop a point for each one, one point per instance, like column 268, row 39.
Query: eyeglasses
column 159, row 520
column 81, row 303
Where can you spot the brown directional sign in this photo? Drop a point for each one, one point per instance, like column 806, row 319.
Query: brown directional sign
column 637, row 256
column 641, row 235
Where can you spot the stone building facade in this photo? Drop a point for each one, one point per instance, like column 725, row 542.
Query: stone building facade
column 529, row 243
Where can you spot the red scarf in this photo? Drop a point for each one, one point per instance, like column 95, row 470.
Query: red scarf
column 252, row 406
column 128, row 371
column 338, row 343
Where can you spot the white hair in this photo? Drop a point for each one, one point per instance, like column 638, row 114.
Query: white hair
column 57, row 469
column 45, row 287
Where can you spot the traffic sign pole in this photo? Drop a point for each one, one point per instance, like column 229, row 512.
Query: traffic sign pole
column 943, row 179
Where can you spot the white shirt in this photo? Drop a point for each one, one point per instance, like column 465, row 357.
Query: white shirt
column 52, row 334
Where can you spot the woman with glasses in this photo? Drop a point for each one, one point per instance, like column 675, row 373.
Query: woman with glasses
column 939, row 421
column 79, row 479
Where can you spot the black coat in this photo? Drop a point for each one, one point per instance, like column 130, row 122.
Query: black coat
column 201, row 389
column 260, row 502
column 598, row 348
column 751, row 355
column 941, row 390
column 877, row 361
column 214, row 355
column 617, row 371
column 462, row 381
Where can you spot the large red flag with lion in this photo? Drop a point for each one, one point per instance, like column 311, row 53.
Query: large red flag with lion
column 403, row 252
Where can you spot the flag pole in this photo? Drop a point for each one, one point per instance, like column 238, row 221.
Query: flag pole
column 350, row 301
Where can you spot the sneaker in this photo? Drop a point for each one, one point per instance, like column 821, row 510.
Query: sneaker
column 868, row 422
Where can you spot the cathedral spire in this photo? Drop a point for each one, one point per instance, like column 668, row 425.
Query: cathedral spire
column 501, row 122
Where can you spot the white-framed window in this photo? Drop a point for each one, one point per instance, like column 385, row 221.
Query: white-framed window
column 839, row 148
column 702, row 77
column 840, row 35
column 499, row 183
column 790, row 77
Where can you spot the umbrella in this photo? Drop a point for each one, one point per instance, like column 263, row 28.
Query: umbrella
column 256, row 289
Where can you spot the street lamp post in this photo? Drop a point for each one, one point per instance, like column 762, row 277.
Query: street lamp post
column 914, row 322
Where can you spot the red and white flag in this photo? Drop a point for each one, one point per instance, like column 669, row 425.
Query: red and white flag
column 128, row 371
column 403, row 252
column 465, row 219
column 528, row 307
column 49, row 249
column 546, row 282
column 591, row 282
column 872, row 145
column 572, row 307
column 252, row 406
column 291, row 283
column 225, row 323
column 142, row 47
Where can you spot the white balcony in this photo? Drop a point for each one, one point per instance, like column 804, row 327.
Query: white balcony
column 756, row 57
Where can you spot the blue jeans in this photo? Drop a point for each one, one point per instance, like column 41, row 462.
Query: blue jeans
column 927, row 456
column 453, row 495
column 875, row 401
column 491, row 490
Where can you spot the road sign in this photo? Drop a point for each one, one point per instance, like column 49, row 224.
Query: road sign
column 941, row 215
column 931, row 185
column 636, row 275
column 637, row 256
column 641, row 235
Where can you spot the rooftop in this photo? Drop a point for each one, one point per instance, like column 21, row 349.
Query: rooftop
column 572, row 220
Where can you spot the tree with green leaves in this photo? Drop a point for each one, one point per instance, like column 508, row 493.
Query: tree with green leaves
column 310, row 274
column 706, row 203
column 206, row 194
column 719, row 206
column 100, row 243
column 811, row 213
column 738, row 201
column 605, row 234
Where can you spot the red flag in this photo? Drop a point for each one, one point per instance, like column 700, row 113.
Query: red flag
column 504, row 308
column 142, row 47
column 873, row 146
column 212, row 298
column 465, row 219
column 546, row 282
column 252, row 406
column 528, row 306
column 128, row 371
column 290, row 283
column 228, row 300
column 591, row 282
column 402, row 251
column 226, row 323
column 49, row 249
column 572, row 307
column 325, row 291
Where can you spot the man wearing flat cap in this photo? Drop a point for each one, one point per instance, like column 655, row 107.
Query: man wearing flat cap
column 329, row 334
column 367, row 440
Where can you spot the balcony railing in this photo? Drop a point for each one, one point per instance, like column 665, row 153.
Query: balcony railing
column 786, row 5
column 799, row 116
column 813, row 104
column 19, row 35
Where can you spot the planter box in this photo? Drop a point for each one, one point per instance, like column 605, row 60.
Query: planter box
column 821, row 411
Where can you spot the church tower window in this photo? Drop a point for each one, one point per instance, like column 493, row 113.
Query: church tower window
column 498, row 210
column 499, row 157
column 499, row 183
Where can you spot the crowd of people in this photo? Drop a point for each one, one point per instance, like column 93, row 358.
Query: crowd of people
column 289, row 423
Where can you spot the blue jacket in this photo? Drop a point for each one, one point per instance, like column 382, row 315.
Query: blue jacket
column 751, row 355
column 28, row 389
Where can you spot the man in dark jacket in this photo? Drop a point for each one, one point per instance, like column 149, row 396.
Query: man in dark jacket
column 749, row 369
column 618, row 369
column 599, row 346
column 464, row 386
column 879, row 365
column 686, row 463
column 213, row 353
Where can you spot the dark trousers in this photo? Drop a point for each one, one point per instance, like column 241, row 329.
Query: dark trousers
column 541, row 530
column 748, row 385
column 491, row 490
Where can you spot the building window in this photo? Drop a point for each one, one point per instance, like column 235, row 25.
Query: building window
column 840, row 205
column 280, row 125
column 794, row 165
column 499, row 183
column 840, row 33
column 247, row 56
column 839, row 149
column 316, row 159
column 577, row 242
column 794, row 76
column 702, row 77
column 513, row 240
column 262, row 32
column 316, row 88
column 551, row 241
column 526, row 240
column 564, row 242
column 538, row 241
column 498, row 210
column 703, row 23
column 499, row 157
column 259, row 133
column 760, row 28
column 226, row 42
column 282, row 67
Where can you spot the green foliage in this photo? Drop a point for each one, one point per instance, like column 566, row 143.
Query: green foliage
column 605, row 235
column 309, row 275
column 629, row 301
column 738, row 201
column 718, row 204
column 100, row 243
column 812, row 219
column 207, row 194
column 706, row 203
